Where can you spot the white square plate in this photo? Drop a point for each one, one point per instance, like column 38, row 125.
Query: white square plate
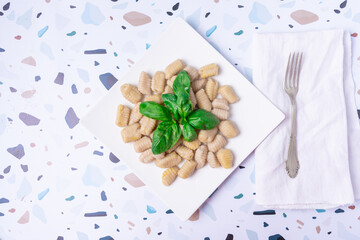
column 254, row 115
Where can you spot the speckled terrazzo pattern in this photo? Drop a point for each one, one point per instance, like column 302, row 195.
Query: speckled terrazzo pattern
column 58, row 58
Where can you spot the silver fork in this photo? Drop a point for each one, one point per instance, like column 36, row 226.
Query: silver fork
column 291, row 87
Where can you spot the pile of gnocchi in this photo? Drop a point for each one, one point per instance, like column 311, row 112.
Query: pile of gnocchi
column 209, row 145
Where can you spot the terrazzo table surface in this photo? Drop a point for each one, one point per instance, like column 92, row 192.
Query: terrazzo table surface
column 58, row 58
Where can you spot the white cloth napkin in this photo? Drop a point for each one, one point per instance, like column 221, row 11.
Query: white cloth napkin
column 328, row 134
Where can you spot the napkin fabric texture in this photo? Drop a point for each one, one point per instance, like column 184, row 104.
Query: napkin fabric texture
column 328, row 133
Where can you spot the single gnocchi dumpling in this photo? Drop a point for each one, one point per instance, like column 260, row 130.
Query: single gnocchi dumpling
column 228, row 93
column 192, row 145
column 144, row 84
column 193, row 98
column 147, row 125
column 225, row 158
column 135, row 114
column 198, row 84
column 122, row 116
column 168, row 161
column 212, row 160
column 131, row 93
column 220, row 103
column 200, row 156
column 209, row 70
column 207, row 136
column 147, row 156
column 212, row 87
column 131, row 133
column 154, row 98
column 142, row 144
column 218, row 143
column 203, row 100
column 174, row 68
column 187, row 169
column 158, row 82
column 221, row 113
column 192, row 72
column 228, row 129
column 185, row 152
column 169, row 175
column 168, row 89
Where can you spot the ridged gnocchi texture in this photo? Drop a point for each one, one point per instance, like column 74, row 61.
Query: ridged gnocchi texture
column 147, row 156
column 147, row 125
column 170, row 160
column 185, row 152
column 170, row 81
column 220, row 103
column 142, row 144
column 169, row 175
column 122, row 116
column 212, row 160
column 225, row 158
column 218, row 143
column 187, row 169
column 192, row 72
column 201, row 156
column 192, row 98
column 203, row 100
column 131, row 93
column 154, row 98
column 220, row 113
column 228, row 129
column 158, row 82
column 135, row 114
column 209, row 70
column 131, row 133
column 198, row 84
column 228, row 93
column 192, row 145
column 211, row 88
column 144, row 84
column 207, row 136
column 174, row 68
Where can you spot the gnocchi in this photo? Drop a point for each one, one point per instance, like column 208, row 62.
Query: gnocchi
column 144, row 84
column 200, row 156
column 228, row 129
column 209, row 70
column 131, row 93
column 228, row 93
column 207, row 148
column 122, row 116
column 169, row 175
column 187, row 169
column 203, row 100
column 225, row 158
column 173, row 68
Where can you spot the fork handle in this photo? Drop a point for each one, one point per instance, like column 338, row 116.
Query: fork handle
column 292, row 163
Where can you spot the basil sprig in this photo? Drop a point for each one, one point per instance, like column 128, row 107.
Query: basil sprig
column 178, row 110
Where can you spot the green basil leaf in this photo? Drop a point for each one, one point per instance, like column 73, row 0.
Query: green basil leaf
column 181, row 87
column 155, row 111
column 165, row 137
column 170, row 102
column 189, row 132
column 185, row 109
column 201, row 119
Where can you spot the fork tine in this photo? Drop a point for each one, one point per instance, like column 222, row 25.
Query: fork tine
column 287, row 73
column 291, row 70
column 293, row 80
column 298, row 73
